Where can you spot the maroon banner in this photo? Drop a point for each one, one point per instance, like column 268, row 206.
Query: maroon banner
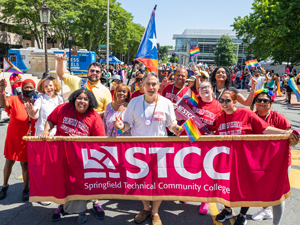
column 185, row 112
column 213, row 169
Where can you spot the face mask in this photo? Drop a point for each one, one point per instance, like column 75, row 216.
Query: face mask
column 28, row 94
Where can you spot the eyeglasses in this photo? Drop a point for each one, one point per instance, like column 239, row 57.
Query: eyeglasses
column 204, row 88
column 116, row 81
column 260, row 100
column 138, row 79
column 203, row 77
column 151, row 84
column 226, row 101
column 82, row 99
column 172, row 79
column 95, row 71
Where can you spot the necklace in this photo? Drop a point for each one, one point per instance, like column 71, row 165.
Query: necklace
column 172, row 98
column 149, row 121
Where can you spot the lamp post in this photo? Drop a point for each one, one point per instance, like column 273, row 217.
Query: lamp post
column 70, row 45
column 45, row 20
column 107, row 44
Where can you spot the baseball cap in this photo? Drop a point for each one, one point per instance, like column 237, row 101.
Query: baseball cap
column 116, row 77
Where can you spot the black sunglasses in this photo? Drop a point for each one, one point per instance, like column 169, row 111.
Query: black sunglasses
column 226, row 101
column 96, row 71
column 138, row 79
column 260, row 100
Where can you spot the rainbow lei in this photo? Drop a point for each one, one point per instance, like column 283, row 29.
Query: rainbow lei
column 266, row 91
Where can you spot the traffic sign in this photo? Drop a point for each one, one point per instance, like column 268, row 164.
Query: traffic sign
column 102, row 46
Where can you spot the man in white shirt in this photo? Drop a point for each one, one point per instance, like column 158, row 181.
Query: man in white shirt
column 149, row 115
column 260, row 80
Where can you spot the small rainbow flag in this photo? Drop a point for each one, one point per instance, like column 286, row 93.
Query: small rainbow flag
column 121, row 131
column 191, row 98
column 252, row 63
column 9, row 67
column 191, row 130
column 194, row 52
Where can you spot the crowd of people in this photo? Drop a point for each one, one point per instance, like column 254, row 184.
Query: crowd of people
column 104, row 104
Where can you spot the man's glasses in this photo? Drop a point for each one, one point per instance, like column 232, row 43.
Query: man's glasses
column 95, row 71
column 260, row 100
column 82, row 99
column 226, row 101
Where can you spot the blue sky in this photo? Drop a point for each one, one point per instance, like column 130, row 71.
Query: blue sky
column 174, row 16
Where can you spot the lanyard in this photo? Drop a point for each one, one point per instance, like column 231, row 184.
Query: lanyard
column 147, row 121
column 226, row 124
column 266, row 116
column 219, row 94
column 177, row 92
column 74, row 117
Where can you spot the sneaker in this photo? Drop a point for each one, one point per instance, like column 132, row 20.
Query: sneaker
column 25, row 195
column 3, row 192
column 240, row 220
column 139, row 218
column 263, row 214
column 224, row 215
column 59, row 213
column 99, row 211
column 203, row 209
column 82, row 218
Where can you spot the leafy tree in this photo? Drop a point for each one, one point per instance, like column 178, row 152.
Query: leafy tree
column 272, row 30
column 225, row 54
column 164, row 49
column 173, row 59
column 165, row 58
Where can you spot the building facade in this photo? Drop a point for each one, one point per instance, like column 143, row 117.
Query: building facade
column 207, row 40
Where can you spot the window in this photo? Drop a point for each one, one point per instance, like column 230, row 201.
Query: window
column 13, row 58
column 82, row 59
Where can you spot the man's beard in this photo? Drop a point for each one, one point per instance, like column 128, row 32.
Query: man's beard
column 89, row 78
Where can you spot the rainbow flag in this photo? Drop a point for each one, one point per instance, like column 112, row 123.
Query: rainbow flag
column 252, row 63
column 121, row 131
column 191, row 98
column 293, row 86
column 191, row 130
column 195, row 51
column 9, row 67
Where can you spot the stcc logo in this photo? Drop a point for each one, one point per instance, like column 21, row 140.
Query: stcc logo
column 93, row 162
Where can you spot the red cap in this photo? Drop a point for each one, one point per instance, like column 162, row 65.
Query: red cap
column 26, row 81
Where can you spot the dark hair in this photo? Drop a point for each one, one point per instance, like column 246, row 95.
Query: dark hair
column 227, row 81
column 95, row 64
column 93, row 104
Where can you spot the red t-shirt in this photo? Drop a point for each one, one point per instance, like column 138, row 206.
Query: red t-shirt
column 167, row 92
column 65, row 116
column 242, row 121
column 279, row 121
column 136, row 94
column 232, row 77
column 207, row 112
column 13, row 78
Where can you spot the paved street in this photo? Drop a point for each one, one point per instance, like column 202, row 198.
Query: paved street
column 14, row 211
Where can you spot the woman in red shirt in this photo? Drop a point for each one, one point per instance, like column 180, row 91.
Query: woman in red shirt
column 19, row 125
column 264, row 99
column 139, row 85
column 76, row 118
column 239, row 121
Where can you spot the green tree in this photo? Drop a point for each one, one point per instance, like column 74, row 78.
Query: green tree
column 164, row 49
column 272, row 30
column 173, row 59
column 225, row 52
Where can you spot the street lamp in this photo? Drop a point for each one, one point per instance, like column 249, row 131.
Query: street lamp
column 45, row 20
column 70, row 45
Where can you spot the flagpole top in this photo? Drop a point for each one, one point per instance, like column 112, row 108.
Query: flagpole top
column 155, row 7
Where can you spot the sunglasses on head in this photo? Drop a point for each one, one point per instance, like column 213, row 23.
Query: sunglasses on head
column 95, row 71
column 260, row 100
column 226, row 101
column 138, row 79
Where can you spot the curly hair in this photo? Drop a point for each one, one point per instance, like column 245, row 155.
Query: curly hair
column 92, row 100
column 127, row 90
column 56, row 84
column 227, row 81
